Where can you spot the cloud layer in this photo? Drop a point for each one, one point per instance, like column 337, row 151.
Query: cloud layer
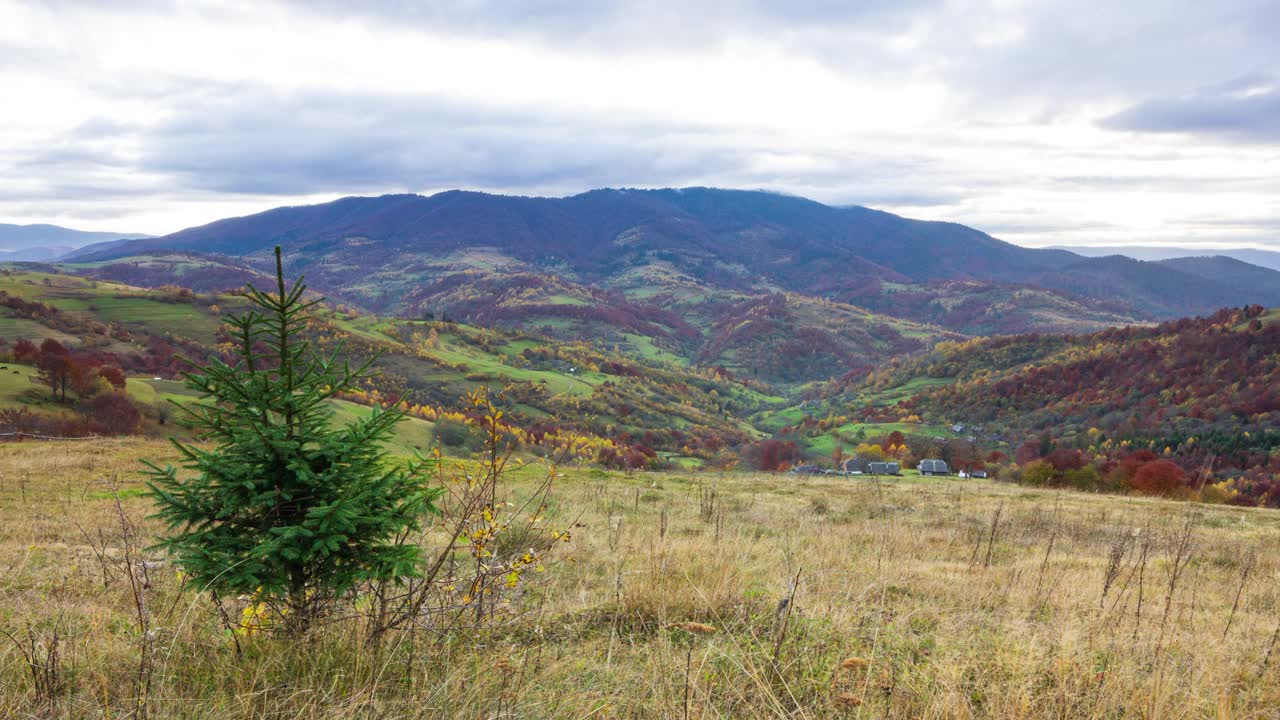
column 1043, row 123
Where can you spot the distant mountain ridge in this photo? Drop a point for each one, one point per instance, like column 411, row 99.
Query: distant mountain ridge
column 730, row 238
column 1263, row 258
column 591, row 230
column 667, row 270
column 21, row 237
column 42, row 242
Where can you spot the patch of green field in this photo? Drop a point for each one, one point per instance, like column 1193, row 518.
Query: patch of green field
column 847, row 436
column 65, row 292
column 363, row 326
column 544, row 324
column 515, row 347
column 642, row 293
column 17, row 387
column 774, row 420
column 157, row 317
column 110, row 302
column 13, row 329
column 149, row 391
column 685, row 463
column 823, row 445
column 411, row 434
column 179, row 263
column 878, row 429
column 643, row 347
column 583, row 384
column 894, row 395
column 1270, row 317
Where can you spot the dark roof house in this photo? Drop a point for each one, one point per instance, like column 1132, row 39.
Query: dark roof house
column 934, row 467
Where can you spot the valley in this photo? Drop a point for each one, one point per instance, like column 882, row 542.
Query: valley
column 711, row 329
column 701, row 466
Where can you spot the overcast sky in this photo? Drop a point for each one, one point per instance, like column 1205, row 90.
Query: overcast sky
column 1053, row 122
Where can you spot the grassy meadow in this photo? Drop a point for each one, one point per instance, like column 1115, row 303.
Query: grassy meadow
column 679, row 596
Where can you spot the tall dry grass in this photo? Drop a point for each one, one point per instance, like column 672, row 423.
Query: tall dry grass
column 739, row 596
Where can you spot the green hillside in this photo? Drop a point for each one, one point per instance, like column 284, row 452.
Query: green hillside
column 593, row 396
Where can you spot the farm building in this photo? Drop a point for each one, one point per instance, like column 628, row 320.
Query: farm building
column 934, row 467
column 883, row 468
column 808, row 470
column 853, row 465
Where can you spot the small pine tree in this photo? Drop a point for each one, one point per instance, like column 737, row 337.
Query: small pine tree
column 285, row 506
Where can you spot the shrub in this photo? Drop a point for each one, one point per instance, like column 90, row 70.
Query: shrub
column 452, row 433
column 1039, row 472
column 113, row 375
column 1159, row 477
column 1085, row 478
column 112, row 413
column 1064, row 459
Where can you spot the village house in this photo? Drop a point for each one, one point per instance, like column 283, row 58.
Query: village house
column 934, row 467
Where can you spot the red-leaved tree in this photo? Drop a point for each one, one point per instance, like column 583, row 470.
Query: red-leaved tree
column 1159, row 477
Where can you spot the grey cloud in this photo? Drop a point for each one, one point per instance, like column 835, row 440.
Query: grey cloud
column 1265, row 224
column 1061, row 53
column 909, row 198
column 70, row 156
column 1027, row 226
column 207, row 139
column 1234, row 114
column 248, row 140
column 56, row 209
column 1167, row 182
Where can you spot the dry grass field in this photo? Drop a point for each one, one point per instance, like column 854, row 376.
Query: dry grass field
column 679, row 596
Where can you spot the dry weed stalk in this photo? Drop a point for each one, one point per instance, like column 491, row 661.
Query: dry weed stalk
column 42, row 655
column 707, row 498
column 1247, row 565
column 782, row 616
column 1117, row 555
column 139, row 583
column 694, row 629
column 1142, row 571
column 990, row 536
column 1181, row 549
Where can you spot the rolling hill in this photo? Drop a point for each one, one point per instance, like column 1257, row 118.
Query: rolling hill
column 1169, row 288
column 561, row 396
column 1223, row 269
column 1205, row 391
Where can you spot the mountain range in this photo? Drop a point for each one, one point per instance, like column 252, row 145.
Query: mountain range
column 47, row 242
column 786, row 288
column 1254, row 256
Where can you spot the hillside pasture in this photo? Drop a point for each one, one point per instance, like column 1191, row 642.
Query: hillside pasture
column 700, row 596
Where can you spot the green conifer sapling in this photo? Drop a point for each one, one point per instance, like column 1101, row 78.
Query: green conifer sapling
column 278, row 501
